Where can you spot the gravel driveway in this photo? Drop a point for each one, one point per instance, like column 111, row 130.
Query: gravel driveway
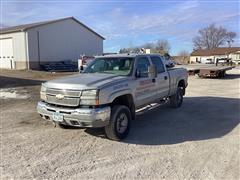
column 200, row 140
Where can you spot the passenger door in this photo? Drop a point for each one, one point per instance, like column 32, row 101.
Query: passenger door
column 145, row 91
column 162, row 80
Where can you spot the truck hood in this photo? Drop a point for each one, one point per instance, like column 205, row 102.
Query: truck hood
column 84, row 81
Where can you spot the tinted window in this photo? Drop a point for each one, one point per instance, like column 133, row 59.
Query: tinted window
column 158, row 63
column 142, row 65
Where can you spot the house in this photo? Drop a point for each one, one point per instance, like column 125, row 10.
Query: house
column 31, row 45
column 206, row 55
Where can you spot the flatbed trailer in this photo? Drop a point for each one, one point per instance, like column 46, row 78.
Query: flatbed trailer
column 191, row 68
column 206, row 70
column 214, row 71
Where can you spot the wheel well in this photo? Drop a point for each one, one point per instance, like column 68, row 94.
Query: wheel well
column 181, row 84
column 126, row 100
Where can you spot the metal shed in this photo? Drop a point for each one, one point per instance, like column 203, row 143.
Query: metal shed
column 31, row 45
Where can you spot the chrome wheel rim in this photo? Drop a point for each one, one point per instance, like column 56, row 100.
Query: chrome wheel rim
column 122, row 123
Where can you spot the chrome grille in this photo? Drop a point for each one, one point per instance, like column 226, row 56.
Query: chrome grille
column 69, row 97
column 66, row 101
column 69, row 93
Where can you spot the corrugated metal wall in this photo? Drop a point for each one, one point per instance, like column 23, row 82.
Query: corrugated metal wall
column 63, row 40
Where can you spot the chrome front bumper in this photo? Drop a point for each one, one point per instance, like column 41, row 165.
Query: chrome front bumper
column 79, row 117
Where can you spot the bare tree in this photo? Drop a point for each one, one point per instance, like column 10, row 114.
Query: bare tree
column 183, row 57
column 129, row 50
column 183, row 53
column 124, row 50
column 162, row 46
column 212, row 37
column 148, row 46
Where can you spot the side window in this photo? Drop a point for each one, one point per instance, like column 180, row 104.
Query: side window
column 142, row 66
column 158, row 63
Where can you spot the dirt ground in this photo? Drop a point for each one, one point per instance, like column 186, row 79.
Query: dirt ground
column 200, row 140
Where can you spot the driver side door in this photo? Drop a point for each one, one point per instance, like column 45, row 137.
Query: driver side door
column 145, row 87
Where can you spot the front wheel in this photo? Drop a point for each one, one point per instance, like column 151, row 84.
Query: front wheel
column 63, row 126
column 177, row 99
column 119, row 124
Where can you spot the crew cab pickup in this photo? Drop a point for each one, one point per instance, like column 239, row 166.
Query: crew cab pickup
column 108, row 92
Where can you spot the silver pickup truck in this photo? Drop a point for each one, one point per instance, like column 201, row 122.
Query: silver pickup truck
column 108, row 92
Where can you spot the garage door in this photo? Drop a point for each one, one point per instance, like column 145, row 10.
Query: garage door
column 6, row 54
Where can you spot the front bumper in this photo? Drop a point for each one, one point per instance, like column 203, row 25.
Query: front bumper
column 79, row 117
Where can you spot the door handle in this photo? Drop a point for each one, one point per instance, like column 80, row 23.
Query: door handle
column 165, row 77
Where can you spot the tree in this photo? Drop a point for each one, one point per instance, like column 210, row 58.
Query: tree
column 123, row 51
column 148, row 46
column 211, row 37
column 129, row 50
column 183, row 53
column 183, row 57
column 162, row 46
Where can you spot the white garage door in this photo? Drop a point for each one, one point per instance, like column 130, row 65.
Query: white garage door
column 6, row 54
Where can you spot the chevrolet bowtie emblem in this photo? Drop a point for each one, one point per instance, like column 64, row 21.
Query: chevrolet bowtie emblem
column 59, row 96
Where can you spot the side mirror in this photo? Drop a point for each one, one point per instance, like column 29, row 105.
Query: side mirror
column 152, row 71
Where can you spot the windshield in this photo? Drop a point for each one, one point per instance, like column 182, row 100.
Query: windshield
column 118, row 66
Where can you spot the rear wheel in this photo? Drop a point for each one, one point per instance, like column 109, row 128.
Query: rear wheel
column 177, row 99
column 119, row 124
column 222, row 74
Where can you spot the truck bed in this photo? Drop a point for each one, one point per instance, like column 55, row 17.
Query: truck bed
column 174, row 74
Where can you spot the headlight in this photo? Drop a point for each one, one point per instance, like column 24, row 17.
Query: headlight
column 90, row 97
column 43, row 96
column 43, row 88
column 43, row 93
column 90, row 94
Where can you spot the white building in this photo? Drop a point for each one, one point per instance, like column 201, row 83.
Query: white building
column 30, row 45
column 206, row 55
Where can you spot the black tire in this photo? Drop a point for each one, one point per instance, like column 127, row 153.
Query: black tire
column 177, row 99
column 222, row 74
column 113, row 130
column 63, row 126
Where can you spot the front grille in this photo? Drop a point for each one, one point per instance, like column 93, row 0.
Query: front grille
column 70, row 97
column 69, row 93
column 66, row 101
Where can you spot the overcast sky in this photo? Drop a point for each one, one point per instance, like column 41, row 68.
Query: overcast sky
column 131, row 23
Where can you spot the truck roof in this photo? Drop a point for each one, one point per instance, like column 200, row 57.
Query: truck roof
column 132, row 55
